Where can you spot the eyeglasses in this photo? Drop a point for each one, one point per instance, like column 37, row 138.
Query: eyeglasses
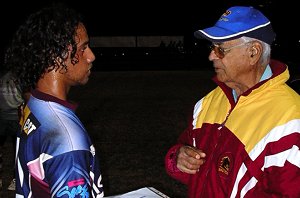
column 221, row 52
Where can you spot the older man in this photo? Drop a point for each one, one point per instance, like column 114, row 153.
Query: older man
column 243, row 140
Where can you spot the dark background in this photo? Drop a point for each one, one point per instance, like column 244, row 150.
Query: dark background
column 154, row 17
column 167, row 18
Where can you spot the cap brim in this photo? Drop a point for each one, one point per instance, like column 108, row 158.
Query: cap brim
column 216, row 34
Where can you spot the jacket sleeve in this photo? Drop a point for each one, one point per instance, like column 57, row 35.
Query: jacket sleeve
column 284, row 180
column 171, row 167
column 282, row 177
column 171, row 158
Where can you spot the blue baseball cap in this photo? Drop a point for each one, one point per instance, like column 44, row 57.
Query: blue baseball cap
column 239, row 21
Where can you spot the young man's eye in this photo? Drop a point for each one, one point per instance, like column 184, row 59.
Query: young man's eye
column 84, row 48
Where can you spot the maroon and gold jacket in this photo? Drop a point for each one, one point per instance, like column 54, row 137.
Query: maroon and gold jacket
column 252, row 145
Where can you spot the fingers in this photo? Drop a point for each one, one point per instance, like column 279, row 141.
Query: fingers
column 194, row 152
column 189, row 159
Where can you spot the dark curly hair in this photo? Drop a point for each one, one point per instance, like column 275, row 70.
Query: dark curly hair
column 40, row 45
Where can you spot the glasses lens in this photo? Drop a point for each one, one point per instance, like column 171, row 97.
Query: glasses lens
column 217, row 50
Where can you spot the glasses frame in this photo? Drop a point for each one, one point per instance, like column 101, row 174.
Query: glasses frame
column 220, row 52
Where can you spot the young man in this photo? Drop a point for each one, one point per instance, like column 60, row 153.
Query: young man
column 244, row 138
column 50, row 53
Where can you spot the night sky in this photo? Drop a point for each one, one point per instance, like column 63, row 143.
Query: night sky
column 125, row 18
column 151, row 17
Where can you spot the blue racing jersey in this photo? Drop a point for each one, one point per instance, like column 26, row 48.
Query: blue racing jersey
column 55, row 156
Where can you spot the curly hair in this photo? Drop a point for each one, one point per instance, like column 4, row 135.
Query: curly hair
column 40, row 44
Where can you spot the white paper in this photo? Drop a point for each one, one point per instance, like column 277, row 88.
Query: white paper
column 146, row 192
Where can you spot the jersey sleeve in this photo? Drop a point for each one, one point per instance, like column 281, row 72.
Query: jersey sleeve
column 73, row 174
